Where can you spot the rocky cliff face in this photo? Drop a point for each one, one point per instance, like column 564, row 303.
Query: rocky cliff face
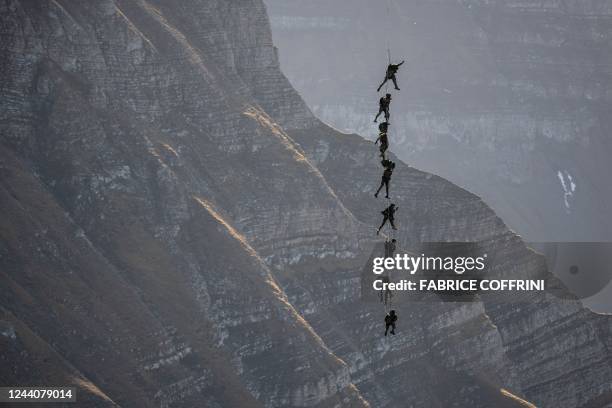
column 138, row 171
column 509, row 99
column 180, row 230
column 512, row 340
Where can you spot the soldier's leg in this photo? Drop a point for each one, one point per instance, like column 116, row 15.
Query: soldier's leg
column 383, row 224
column 387, row 187
column 379, row 188
column 392, row 223
column 383, row 149
column 378, row 114
column 392, row 328
column 381, row 85
column 395, row 82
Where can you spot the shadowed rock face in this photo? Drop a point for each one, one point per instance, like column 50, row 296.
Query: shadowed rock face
column 179, row 230
column 509, row 99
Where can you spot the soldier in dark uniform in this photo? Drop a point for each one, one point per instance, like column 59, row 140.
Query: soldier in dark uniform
column 388, row 214
column 390, row 248
column 384, row 144
column 383, row 107
column 386, row 177
column 390, row 320
column 383, row 127
column 390, row 75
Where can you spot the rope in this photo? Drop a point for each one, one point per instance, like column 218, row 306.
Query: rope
column 388, row 231
column 388, row 46
column 387, row 37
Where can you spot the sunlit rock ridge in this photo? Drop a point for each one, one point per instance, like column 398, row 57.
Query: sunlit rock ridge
column 179, row 230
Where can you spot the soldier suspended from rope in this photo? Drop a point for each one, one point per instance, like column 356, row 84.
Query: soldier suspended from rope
column 387, row 295
column 382, row 138
column 390, row 75
column 383, row 127
column 390, row 246
column 386, row 177
column 383, row 107
column 388, row 215
column 390, row 320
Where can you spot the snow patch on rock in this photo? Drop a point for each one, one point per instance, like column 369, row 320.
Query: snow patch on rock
column 569, row 187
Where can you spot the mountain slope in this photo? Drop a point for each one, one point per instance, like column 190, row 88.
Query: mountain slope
column 124, row 184
column 182, row 231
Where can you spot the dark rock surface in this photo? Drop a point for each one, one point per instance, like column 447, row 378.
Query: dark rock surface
column 179, row 230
